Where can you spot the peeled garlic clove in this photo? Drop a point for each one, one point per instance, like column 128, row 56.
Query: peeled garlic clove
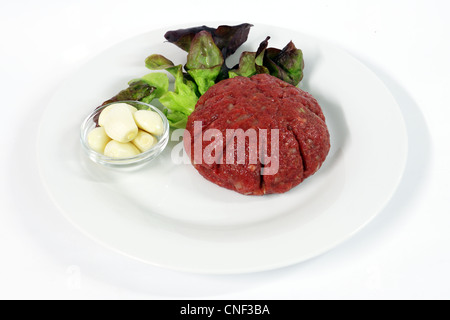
column 119, row 150
column 132, row 109
column 149, row 121
column 98, row 139
column 144, row 141
column 119, row 123
column 102, row 117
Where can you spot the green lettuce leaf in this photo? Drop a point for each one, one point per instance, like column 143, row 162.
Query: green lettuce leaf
column 158, row 80
column 158, row 62
column 179, row 103
column 184, row 97
column 204, row 61
column 246, row 67
column 177, row 120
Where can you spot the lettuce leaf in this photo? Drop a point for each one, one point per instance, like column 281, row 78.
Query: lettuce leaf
column 286, row 64
column 204, row 61
column 227, row 38
column 246, row 67
column 158, row 80
column 259, row 57
column 177, row 120
column 158, row 62
column 182, row 100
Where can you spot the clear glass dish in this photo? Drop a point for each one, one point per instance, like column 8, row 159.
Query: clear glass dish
column 143, row 158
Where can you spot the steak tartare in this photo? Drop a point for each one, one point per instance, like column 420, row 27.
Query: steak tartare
column 257, row 103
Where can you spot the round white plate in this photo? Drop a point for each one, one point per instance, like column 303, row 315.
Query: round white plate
column 167, row 215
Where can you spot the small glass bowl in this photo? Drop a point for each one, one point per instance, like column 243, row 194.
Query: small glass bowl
column 145, row 157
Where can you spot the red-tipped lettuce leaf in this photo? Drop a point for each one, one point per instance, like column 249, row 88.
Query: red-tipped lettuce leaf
column 259, row 57
column 182, row 38
column 230, row 38
column 246, row 66
column 158, row 62
column 204, row 61
column 286, row 64
column 227, row 38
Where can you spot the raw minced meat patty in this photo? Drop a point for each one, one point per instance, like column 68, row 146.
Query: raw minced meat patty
column 261, row 102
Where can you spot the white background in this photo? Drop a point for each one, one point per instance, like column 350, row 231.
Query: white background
column 404, row 253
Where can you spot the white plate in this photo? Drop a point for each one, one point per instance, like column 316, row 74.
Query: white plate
column 168, row 215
